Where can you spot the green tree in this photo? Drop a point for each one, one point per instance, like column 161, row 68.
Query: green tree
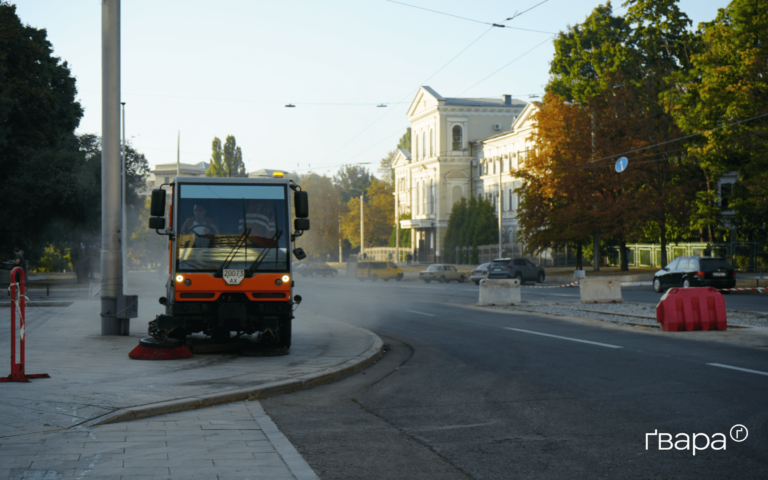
column 378, row 215
column 386, row 171
column 226, row 160
column 326, row 210
column 352, row 181
column 405, row 234
column 729, row 83
column 472, row 222
column 405, row 140
column 39, row 152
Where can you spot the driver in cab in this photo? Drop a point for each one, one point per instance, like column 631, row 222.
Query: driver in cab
column 199, row 224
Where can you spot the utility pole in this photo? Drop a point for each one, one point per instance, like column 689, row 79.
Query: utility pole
column 397, row 225
column 499, row 201
column 596, row 243
column 341, row 259
column 362, row 195
column 111, row 247
column 124, row 209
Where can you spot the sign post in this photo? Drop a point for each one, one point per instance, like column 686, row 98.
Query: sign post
column 18, row 307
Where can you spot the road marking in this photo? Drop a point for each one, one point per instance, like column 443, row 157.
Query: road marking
column 449, row 427
column 421, row 313
column 563, row 338
column 738, row 368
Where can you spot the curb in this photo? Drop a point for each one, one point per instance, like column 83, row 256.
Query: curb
column 303, row 382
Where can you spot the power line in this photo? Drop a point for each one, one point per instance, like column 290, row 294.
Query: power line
column 410, row 93
column 493, row 25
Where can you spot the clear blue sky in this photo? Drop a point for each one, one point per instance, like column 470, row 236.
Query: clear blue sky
column 228, row 68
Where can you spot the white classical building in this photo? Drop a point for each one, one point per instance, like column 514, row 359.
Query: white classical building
column 459, row 147
column 164, row 173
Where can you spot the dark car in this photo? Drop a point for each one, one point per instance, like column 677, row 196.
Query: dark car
column 519, row 268
column 317, row 270
column 695, row 272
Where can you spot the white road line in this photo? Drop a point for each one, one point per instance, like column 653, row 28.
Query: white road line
column 739, row 369
column 421, row 313
column 449, row 427
column 563, row 338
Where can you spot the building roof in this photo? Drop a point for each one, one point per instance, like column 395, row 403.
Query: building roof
column 484, row 102
column 405, row 153
column 167, row 167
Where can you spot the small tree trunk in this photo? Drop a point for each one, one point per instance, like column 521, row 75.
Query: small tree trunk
column 579, row 257
column 623, row 252
column 663, row 230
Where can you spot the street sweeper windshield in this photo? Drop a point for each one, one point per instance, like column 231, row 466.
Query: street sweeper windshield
column 232, row 224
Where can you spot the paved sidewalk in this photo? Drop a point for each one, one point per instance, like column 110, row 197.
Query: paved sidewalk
column 232, row 441
column 57, row 424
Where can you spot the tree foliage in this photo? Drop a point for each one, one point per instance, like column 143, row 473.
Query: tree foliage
column 323, row 238
column 226, row 160
column 728, row 84
column 352, row 180
column 378, row 216
column 472, row 222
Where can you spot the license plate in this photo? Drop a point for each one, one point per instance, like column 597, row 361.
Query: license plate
column 718, row 274
column 496, row 269
column 232, row 276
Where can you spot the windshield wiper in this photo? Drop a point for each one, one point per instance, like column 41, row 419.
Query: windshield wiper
column 263, row 254
column 241, row 240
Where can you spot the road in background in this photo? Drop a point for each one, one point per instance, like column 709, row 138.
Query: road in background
column 471, row 393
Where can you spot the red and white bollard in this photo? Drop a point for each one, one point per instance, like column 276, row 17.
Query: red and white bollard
column 18, row 307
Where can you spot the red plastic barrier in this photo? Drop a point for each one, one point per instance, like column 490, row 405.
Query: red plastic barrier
column 19, row 306
column 691, row 309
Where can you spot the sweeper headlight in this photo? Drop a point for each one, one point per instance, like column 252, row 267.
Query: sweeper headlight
column 286, row 279
column 179, row 278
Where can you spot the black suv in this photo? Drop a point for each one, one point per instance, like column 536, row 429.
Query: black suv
column 695, row 272
column 519, row 268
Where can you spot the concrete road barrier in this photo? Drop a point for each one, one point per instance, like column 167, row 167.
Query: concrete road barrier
column 499, row 292
column 599, row 290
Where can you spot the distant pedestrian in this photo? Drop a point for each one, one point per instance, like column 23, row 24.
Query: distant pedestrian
column 708, row 250
column 365, row 256
column 408, row 259
column 390, row 256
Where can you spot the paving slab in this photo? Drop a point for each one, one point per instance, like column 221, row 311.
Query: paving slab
column 94, row 381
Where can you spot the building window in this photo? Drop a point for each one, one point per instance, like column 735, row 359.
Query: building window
column 431, row 143
column 424, row 197
column 416, row 156
column 424, row 144
column 457, row 140
column 726, row 192
column 511, row 193
column 479, row 169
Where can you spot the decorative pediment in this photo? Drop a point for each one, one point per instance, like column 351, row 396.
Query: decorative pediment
column 402, row 158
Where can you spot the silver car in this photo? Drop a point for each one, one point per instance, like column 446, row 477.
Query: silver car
column 479, row 273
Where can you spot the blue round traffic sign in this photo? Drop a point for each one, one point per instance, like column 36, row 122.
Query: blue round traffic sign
column 621, row 164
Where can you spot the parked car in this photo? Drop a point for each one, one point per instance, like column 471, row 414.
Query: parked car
column 441, row 273
column 518, row 268
column 378, row 270
column 689, row 272
column 479, row 273
column 317, row 270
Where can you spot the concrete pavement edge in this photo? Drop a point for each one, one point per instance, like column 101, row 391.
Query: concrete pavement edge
column 303, row 382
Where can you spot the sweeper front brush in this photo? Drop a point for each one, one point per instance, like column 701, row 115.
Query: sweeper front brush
column 152, row 349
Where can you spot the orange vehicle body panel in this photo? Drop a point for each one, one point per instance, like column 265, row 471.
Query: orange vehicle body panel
column 170, row 250
column 207, row 283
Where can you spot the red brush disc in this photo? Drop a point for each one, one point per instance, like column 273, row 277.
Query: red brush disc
column 151, row 349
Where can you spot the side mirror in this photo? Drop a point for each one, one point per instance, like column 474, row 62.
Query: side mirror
column 300, row 203
column 157, row 207
column 665, row 269
column 157, row 223
column 301, row 224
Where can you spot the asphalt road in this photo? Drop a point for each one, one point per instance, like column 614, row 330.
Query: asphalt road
column 470, row 393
